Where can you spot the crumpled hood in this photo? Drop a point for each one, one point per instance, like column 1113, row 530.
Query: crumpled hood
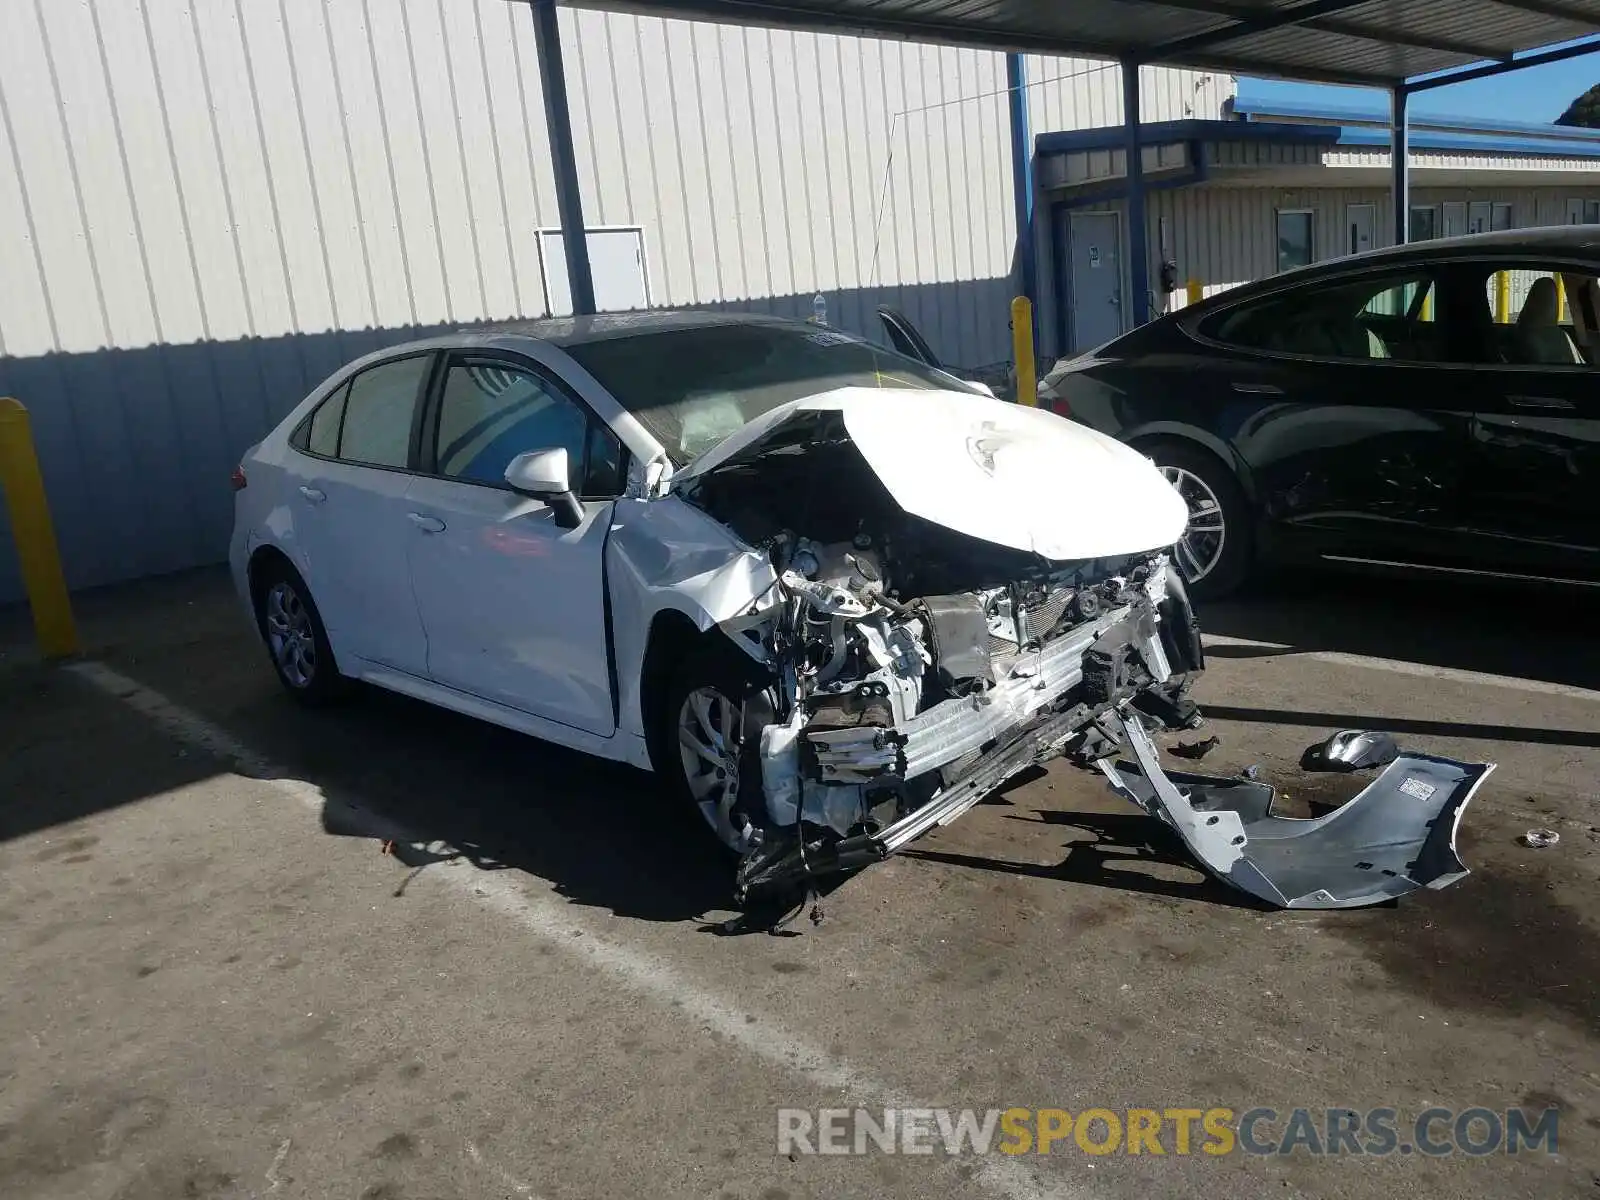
column 1009, row 474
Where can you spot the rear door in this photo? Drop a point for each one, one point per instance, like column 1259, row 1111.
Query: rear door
column 514, row 604
column 347, row 489
column 1343, row 410
column 1534, row 504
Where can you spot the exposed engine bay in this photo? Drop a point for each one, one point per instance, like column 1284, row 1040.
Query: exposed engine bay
column 913, row 669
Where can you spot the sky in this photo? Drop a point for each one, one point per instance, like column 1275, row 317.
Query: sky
column 1536, row 94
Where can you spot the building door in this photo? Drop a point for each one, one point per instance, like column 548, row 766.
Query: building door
column 1362, row 220
column 1455, row 218
column 616, row 263
column 1478, row 221
column 1094, row 259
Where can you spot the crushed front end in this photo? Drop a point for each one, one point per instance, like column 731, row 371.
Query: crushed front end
column 912, row 668
column 896, row 715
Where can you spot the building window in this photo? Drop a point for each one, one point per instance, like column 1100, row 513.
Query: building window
column 1295, row 229
column 1501, row 218
column 1424, row 222
column 1583, row 212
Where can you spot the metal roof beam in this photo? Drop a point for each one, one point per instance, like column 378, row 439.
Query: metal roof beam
column 1244, row 26
column 1588, row 46
column 1452, row 45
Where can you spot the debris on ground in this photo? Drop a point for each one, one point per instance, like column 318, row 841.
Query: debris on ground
column 1195, row 750
column 1540, row 839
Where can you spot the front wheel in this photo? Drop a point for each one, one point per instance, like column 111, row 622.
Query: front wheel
column 714, row 715
column 1216, row 551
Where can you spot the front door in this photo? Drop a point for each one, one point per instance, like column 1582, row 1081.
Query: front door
column 1363, row 218
column 1356, row 440
column 1094, row 258
column 513, row 601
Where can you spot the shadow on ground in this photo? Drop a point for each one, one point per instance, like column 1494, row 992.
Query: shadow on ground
column 1128, row 852
column 1520, row 631
column 440, row 786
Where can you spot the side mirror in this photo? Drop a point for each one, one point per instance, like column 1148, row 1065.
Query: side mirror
column 542, row 475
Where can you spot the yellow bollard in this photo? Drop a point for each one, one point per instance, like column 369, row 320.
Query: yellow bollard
column 1427, row 307
column 34, row 535
column 1196, row 292
column 1022, row 351
column 1561, row 299
column 1502, row 297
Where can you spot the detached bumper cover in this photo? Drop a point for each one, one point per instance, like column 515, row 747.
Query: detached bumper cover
column 1397, row 835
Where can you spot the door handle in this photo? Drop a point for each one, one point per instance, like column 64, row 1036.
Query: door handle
column 1550, row 403
column 426, row 523
column 1257, row 389
column 315, row 495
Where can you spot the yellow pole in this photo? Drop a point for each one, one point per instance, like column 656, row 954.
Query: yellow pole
column 1196, row 293
column 1502, row 297
column 1022, row 351
column 1561, row 299
column 1427, row 306
column 34, row 535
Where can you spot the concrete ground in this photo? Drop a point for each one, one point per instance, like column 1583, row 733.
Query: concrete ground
column 218, row 984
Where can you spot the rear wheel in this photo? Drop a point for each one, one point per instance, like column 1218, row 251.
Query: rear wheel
column 1217, row 549
column 296, row 641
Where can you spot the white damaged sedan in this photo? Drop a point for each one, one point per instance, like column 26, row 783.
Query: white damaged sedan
column 832, row 595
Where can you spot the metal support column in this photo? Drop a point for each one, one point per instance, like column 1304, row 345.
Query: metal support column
column 1399, row 166
column 558, row 123
column 1138, row 256
column 1022, row 177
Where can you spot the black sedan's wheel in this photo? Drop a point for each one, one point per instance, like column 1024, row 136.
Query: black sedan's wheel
column 295, row 638
column 1216, row 550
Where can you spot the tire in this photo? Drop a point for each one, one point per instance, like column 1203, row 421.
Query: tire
column 295, row 638
column 1217, row 551
column 714, row 692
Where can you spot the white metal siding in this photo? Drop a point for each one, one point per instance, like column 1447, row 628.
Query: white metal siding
column 208, row 207
column 1225, row 236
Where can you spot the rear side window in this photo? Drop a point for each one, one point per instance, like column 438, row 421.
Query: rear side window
column 379, row 408
column 323, row 436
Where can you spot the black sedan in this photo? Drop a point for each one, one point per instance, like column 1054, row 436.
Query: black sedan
column 1433, row 408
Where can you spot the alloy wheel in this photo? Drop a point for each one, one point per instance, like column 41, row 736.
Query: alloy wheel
column 290, row 636
column 710, row 729
column 1200, row 548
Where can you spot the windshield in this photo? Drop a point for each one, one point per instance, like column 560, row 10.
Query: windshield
column 693, row 387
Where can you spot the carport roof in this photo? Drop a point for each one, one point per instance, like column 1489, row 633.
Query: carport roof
column 1377, row 43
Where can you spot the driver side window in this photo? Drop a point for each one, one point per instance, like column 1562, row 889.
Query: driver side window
column 1374, row 317
column 491, row 411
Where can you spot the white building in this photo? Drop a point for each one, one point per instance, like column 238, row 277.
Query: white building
column 211, row 206
column 1276, row 186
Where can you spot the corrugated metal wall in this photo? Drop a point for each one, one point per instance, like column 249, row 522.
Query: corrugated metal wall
column 1224, row 236
column 210, row 206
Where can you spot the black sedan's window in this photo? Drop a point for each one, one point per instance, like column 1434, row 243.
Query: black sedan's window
column 1375, row 317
